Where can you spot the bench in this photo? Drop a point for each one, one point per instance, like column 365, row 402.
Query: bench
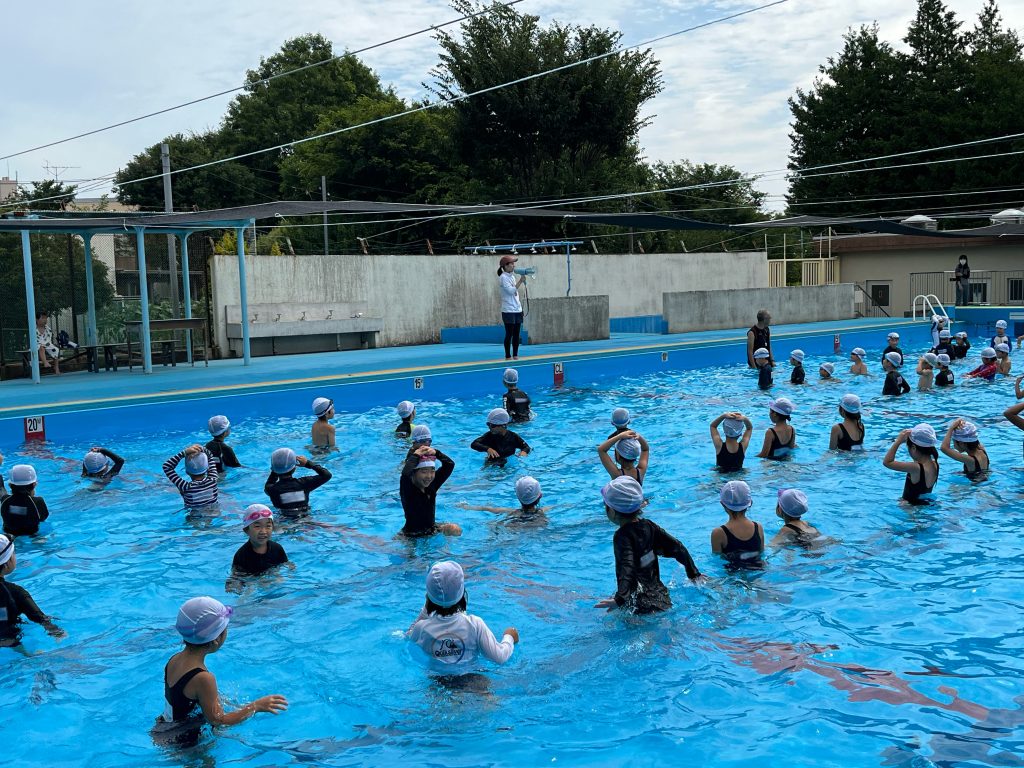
column 283, row 328
column 91, row 353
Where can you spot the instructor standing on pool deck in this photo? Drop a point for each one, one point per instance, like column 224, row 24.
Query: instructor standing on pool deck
column 759, row 336
column 511, row 307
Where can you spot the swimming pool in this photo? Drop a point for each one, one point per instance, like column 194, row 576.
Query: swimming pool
column 844, row 655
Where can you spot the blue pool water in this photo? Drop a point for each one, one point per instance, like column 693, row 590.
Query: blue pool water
column 899, row 644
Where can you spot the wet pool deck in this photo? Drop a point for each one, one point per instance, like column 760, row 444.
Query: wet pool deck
column 83, row 390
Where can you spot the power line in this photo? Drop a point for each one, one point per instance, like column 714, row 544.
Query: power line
column 258, row 82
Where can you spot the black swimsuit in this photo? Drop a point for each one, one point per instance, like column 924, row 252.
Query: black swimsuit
column 913, row 492
column 182, row 707
column 729, row 462
column 847, row 443
column 745, row 551
column 977, row 472
column 778, row 448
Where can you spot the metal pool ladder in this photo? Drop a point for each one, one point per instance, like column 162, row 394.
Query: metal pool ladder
column 929, row 303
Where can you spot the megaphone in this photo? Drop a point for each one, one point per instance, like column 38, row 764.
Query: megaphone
column 531, row 271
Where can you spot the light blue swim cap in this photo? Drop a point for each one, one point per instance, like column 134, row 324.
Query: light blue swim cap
column 628, row 448
column 282, row 460
column 620, row 417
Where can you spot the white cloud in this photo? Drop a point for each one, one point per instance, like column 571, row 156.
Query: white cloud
column 90, row 65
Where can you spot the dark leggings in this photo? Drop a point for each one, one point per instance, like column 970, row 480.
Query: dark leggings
column 512, row 339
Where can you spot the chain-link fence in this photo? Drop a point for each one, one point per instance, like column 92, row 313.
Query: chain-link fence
column 59, row 283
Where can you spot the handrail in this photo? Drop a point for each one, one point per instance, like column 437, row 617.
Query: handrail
column 873, row 303
column 930, row 306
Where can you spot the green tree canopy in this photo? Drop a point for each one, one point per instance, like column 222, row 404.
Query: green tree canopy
column 950, row 87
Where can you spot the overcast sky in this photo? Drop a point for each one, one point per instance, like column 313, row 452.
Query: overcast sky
column 72, row 67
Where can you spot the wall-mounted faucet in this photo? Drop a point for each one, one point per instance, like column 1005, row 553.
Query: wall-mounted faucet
column 303, row 316
column 330, row 314
column 278, row 317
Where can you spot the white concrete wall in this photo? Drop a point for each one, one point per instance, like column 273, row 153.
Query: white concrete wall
column 716, row 310
column 418, row 295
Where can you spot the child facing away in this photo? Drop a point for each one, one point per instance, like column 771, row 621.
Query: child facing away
column 729, row 452
column 528, row 492
column 926, row 371
column 923, row 469
column 796, row 359
column 15, row 602
column 944, row 378
column 499, row 442
column 288, row 493
column 418, row 485
column 452, row 639
column 791, row 508
column 859, row 367
column 223, row 455
column 763, row 364
column 1003, row 363
column 780, row 438
column 406, row 411
column 101, row 465
column 620, row 420
column 638, row 543
column 191, row 697
column 515, row 401
column 323, row 431
column 963, row 444
column 260, row 553
column 22, row 511
column 740, row 540
column 632, row 454
column 200, row 490
column 848, row 435
column 894, row 384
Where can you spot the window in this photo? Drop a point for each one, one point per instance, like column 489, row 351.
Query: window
column 880, row 295
column 1015, row 289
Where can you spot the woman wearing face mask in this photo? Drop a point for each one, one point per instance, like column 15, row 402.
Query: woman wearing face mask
column 963, row 281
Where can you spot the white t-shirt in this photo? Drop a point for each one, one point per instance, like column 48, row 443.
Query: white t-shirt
column 509, row 293
column 452, row 643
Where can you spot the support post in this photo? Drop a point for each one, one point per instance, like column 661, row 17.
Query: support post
column 323, row 196
column 147, row 347
column 186, row 284
column 172, row 261
column 91, row 336
column 30, row 303
column 243, row 295
column 568, row 268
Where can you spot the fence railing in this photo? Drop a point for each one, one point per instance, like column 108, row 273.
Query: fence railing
column 864, row 305
column 812, row 272
column 999, row 287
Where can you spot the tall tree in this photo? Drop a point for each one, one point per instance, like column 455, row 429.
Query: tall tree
column 275, row 110
column 569, row 133
column 846, row 115
column 218, row 186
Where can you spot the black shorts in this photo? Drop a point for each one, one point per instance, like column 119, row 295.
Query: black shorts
column 512, row 318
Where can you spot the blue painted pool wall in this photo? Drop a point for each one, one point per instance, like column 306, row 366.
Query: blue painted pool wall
column 479, row 334
column 981, row 321
column 638, row 324
column 190, row 415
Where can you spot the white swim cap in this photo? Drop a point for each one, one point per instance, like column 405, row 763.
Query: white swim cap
column 1000, row 323
column 498, row 417
column 420, row 433
column 781, row 406
column 527, row 490
column 966, row 433
column 510, row 376
column 859, row 352
column 218, row 425
column 894, row 358
column 628, row 448
column 988, row 352
column 733, row 427
column 6, row 549
column 446, row 583
column 405, row 409
column 202, row 620
column 923, row 436
column 735, row 496
column 94, row 462
column 944, row 334
column 621, row 417
column 942, row 359
column 797, row 354
column 256, row 512
column 22, row 474
column 829, row 368
column 761, row 353
column 198, row 464
column 282, row 461
column 850, row 403
column 931, row 358
column 624, row 495
column 321, row 406
column 793, row 502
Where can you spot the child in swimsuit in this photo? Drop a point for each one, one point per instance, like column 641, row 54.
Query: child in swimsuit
column 631, row 455
column 848, row 435
column 859, row 367
column 406, row 412
column 796, row 359
column 729, row 452
column 323, row 431
column 190, row 689
column 923, row 470
column 962, row 444
column 780, row 439
column 740, row 540
column 638, row 543
column 15, row 602
column 790, row 508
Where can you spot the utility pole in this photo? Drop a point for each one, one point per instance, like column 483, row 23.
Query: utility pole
column 323, row 196
column 172, row 254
